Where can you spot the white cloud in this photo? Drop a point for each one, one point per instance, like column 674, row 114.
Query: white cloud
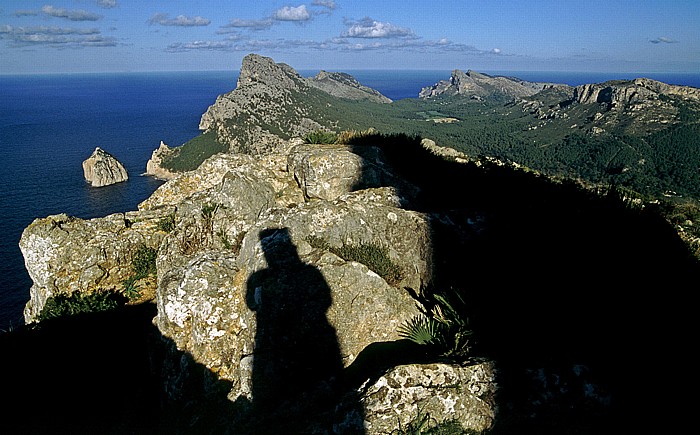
column 179, row 21
column 663, row 39
column 329, row 4
column 200, row 45
column 55, row 36
column 252, row 45
column 497, row 51
column 290, row 13
column 73, row 15
column 369, row 28
column 25, row 13
column 249, row 24
column 107, row 4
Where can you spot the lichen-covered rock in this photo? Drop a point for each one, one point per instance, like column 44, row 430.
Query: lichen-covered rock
column 442, row 392
column 328, row 171
column 102, row 169
column 64, row 254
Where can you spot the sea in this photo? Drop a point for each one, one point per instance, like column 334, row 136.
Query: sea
column 50, row 123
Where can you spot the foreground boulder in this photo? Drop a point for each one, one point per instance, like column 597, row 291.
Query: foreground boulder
column 65, row 254
column 102, row 169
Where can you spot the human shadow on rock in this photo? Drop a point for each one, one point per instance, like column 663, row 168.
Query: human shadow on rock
column 297, row 365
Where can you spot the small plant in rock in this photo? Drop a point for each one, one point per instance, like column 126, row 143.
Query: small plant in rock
column 372, row 255
column 77, row 303
column 442, row 325
column 167, row 223
column 375, row 257
column 420, row 424
column 144, row 261
column 348, row 136
column 143, row 264
column 320, row 137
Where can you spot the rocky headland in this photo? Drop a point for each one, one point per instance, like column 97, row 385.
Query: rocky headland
column 267, row 320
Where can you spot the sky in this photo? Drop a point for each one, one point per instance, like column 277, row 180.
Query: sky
column 630, row 36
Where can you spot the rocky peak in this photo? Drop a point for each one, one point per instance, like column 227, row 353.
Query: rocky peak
column 478, row 85
column 272, row 103
column 102, row 169
column 616, row 93
column 345, row 86
column 256, row 69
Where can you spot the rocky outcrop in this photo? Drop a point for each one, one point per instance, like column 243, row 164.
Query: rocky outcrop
column 251, row 266
column 64, row 254
column 344, row 85
column 102, row 169
column 153, row 165
column 478, row 85
column 619, row 93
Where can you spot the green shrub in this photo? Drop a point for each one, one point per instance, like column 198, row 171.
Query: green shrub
column 191, row 154
column 144, row 261
column 78, row 303
column 167, row 223
column 320, row 137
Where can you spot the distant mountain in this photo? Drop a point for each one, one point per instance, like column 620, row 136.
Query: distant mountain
column 477, row 85
column 641, row 133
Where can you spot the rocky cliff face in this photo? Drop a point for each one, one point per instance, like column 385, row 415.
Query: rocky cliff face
column 64, row 254
column 478, row 85
column 102, row 169
column 153, row 165
column 638, row 106
column 273, row 103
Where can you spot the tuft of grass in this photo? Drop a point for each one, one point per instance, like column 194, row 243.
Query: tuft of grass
column 372, row 255
column 320, row 137
column 375, row 257
column 144, row 261
column 347, row 137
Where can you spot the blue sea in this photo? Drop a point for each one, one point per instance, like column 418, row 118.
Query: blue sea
column 49, row 124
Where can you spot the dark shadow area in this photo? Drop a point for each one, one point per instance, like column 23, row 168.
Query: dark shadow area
column 558, row 279
column 87, row 374
column 297, row 365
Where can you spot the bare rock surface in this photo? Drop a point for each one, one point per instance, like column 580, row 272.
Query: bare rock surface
column 102, row 169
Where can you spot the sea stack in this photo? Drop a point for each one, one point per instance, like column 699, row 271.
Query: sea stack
column 102, row 169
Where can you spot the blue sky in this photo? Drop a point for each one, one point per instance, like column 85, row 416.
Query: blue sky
column 169, row 35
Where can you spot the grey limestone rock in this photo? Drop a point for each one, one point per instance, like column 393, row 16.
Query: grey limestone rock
column 64, row 254
column 102, row 169
column 472, row 83
column 153, row 165
column 344, row 85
